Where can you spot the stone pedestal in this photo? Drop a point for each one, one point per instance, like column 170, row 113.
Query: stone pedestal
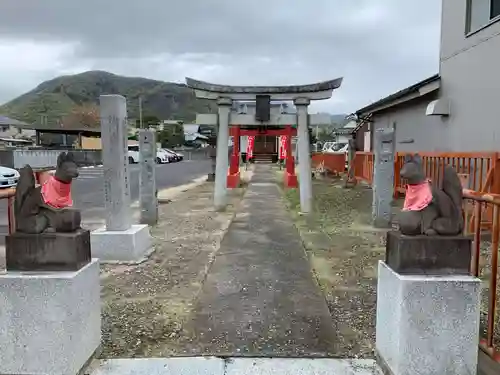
column 48, row 251
column 427, row 325
column 436, row 255
column 50, row 322
column 122, row 246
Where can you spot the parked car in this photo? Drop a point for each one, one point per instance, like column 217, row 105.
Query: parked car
column 172, row 156
column 178, row 155
column 327, row 145
column 8, row 177
column 133, row 155
column 339, row 148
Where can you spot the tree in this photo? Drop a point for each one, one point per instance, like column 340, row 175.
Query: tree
column 171, row 136
column 82, row 116
column 148, row 121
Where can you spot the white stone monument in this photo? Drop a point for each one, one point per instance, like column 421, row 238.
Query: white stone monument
column 120, row 240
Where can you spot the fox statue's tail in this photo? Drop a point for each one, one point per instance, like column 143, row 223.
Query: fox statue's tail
column 25, row 187
column 452, row 187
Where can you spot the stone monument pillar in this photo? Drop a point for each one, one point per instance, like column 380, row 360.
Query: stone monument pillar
column 428, row 306
column 383, row 178
column 147, row 188
column 119, row 241
column 222, row 158
column 305, row 178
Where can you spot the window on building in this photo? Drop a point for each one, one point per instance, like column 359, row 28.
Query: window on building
column 480, row 13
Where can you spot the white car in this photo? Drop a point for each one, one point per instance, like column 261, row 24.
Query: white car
column 337, row 148
column 8, row 177
column 133, row 155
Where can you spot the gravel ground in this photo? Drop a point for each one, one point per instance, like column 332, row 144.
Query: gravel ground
column 344, row 251
column 145, row 306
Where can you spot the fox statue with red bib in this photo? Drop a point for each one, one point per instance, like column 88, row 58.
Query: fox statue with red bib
column 428, row 209
column 47, row 208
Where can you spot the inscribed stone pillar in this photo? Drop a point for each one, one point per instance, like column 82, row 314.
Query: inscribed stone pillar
column 305, row 179
column 147, row 187
column 115, row 162
column 383, row 177
column 220, row 188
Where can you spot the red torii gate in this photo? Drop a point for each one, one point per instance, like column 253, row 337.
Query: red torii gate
column 233, row 177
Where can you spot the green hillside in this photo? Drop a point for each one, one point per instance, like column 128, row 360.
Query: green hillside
column 59, row 97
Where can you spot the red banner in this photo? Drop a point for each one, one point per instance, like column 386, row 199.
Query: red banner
column 282, row 148
column 251, row 140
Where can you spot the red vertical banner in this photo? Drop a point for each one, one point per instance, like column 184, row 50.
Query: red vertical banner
column 251, row 140
column 282, row 149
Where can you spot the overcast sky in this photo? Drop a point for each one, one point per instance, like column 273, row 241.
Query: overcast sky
column 378, row 46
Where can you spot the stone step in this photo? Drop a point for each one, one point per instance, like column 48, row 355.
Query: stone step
column 235, row 366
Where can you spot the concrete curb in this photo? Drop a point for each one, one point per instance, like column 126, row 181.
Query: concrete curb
column 168, row 194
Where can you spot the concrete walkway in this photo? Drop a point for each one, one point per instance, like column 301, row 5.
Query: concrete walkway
column 236, row 366
column 260, row 297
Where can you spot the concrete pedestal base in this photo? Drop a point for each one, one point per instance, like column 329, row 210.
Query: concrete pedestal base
column 128, row 246
column 50, row 322
column 427, row 325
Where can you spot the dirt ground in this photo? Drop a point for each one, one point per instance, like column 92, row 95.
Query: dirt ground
column 344, row 251
column 145, row 306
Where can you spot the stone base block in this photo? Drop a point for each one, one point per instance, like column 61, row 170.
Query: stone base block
column 290, row 180
column 128, row 246
column 427, row 325
column 50, row 322
column 48, row 251
column 429, row 255
column 233, row 180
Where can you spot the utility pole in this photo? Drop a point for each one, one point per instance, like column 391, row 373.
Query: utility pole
column 140, row 113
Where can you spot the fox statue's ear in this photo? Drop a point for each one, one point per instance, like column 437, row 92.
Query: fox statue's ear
column 408, row 158
column 61, row 158
column 417, row 158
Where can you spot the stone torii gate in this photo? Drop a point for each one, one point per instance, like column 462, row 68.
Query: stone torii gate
column 301, row 95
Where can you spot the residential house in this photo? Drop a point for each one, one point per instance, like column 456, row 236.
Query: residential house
column 342, row 135
column 456, row 109
column 192, row 135
column 11, row 128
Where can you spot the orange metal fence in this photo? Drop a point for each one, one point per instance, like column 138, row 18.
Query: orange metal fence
column 484, row 264
column 363, row 166
column 333, row 162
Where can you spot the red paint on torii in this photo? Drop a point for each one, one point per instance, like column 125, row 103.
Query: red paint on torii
column 233, row 177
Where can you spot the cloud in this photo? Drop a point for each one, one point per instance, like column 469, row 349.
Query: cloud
column 378, row 46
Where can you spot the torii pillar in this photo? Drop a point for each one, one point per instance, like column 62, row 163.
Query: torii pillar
column 301, row 95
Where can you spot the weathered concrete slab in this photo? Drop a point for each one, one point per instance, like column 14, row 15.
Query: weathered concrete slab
column 162, row 366
column 320, row 366
column 231, row 366
column 260, row 298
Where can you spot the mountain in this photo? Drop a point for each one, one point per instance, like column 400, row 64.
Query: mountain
column 339, row 119
column 53, row 101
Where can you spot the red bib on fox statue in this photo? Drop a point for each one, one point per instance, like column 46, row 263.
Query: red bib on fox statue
column 417, row 196
column 57, row 194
